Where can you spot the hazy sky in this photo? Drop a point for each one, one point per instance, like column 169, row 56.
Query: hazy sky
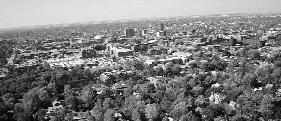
column 14, row 13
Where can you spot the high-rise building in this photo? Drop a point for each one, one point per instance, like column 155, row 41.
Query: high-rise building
column 129, row 32
column 162, row 27
column 144, row 32
column 161, row 34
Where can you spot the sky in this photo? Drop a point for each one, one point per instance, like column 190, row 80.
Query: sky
column 17, row 13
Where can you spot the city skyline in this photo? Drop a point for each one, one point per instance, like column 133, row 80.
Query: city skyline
column 18, row 13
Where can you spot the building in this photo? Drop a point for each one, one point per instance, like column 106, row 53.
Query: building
column 122, row 52
column 106, row 76
column 129, row 32
column 158, row 50
column 144, row 32
column 140, row 47
column 161, row 34
column 119, row 51
column 183, row 55
column 225, row 42
column 89, row 53
column 162, row 27
column 254, row 43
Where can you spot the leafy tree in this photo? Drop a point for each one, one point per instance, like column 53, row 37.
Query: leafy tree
column 166, row 105
column 263, row 74
column 3, row 112
column 158, row 96
column 266, row 106
column 159, row 71
column 254, row 54
column 152, row 111
column 108, row 103
column 88, row 96
column 45, row 95
column 212, row 111
column 97, row 111
column 128, row 65
column 20, row 114
column 41, row 115
column 276, row 74
column 70, row 98
column 138, row 64
column 239, row 118
column 138, row 113
column 109, row 115
column 31, row 102
column 99, row 47
column 189, row 117
column 8, row 99
column 176, row 70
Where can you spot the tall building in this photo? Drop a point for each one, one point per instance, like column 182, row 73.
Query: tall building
column 144, row 32
column 129, row 32
column 162, row 27
column 161, row 34
column 162, row 31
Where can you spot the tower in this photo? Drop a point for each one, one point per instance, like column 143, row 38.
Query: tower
column 162, row 27
column 129, row 32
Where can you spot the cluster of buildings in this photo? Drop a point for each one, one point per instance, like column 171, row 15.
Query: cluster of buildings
column 170, row 40
column 179, row 42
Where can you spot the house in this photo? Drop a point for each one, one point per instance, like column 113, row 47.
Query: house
column 140, row 47
column 225, row 42
column 158, row 50
column 254, row 43
column 88, row 53
column 216, row 98
column 121, row 52
column 106, row 76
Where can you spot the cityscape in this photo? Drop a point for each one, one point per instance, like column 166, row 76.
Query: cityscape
column 219, row 67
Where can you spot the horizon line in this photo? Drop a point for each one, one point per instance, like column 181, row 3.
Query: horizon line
column 122, row 20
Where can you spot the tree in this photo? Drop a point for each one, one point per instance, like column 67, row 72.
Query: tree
column 158, row 71
column 176, row 70
column 200, row 101
column 152, row 111
column 60, row 79
column 189, row 117
column 138, row 64
column 70, row 98
column 128, row 65
column 108, row 103
column 266, row 106
column 212, row 111
column 197, row 90
column 88, row 96
column 20, row 114
column 239, row 118
column 97, row 111
column 31, row 102
column 45, row 95
column 8, row 99
column 254, row 54
column 3, row 112
column 99, row 47
column 158, row 96
column 41, row 114
column 147, row 88
column 219, row 63
column 166, row 105
column 276, row 75
column 263, row 74
column 138, row 113
column 109, row 115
